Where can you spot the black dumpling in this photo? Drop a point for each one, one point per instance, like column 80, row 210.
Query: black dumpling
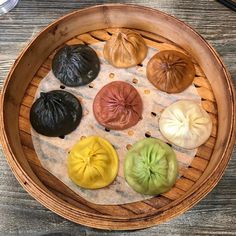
column 55, row 113
column 76, row 65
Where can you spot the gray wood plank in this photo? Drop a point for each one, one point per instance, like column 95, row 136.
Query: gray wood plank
column 20, row 214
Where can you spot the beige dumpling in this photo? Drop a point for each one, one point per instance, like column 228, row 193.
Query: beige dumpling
column 185, row 124
column 126, row 48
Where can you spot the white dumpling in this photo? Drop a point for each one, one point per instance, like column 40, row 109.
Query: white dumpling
column 185, row 124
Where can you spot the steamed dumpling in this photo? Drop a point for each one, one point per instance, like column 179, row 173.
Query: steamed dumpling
column 55, row 113
column 170, row 71
column 185, row 124
column 92, row 163
column 151, row 167
column 118, row 106
column 125, row 48
column 76, row 65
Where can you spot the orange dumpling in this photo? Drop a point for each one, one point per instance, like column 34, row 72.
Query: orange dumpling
column 126, row 48
column 170, row 71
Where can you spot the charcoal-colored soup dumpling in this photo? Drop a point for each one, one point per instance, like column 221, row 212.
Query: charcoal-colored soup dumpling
column 151, row 167
column 118, row 106
column 55, row 113
column 76, row 65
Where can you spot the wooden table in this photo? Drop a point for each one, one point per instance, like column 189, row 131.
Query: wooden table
column 20, row 214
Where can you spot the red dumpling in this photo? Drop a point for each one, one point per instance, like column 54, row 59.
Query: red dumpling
column 118, row 106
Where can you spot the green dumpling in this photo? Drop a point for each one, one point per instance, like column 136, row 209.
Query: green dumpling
column 151, row 167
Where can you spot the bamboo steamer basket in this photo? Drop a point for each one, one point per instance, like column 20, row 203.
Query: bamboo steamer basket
column 89, row 26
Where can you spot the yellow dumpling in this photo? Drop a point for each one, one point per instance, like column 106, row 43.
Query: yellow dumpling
column 92, row 163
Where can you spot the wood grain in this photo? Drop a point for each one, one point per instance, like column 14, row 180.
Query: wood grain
column 132, row 210
column 22, row 215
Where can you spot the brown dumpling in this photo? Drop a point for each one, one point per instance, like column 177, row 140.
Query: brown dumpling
column 125, row 48
column 118, row 106
column 170, row 71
